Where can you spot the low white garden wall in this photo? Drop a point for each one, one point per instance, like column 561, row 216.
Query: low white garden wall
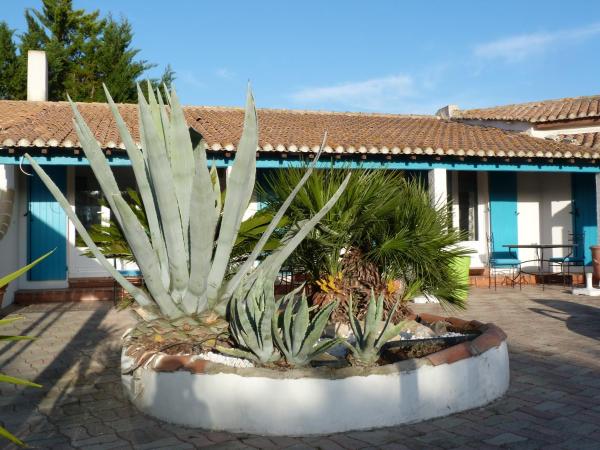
column 318, row 401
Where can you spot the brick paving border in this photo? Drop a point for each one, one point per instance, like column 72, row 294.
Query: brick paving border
column 553, row 401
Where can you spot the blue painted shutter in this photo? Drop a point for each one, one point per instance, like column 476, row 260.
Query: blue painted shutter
column 583, row 189
column 47, row 227
column 503, row 209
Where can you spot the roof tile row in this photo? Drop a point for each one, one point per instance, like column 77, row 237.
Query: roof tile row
column 49, row 124
column 540, row 111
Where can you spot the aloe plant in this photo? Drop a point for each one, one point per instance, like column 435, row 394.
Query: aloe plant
column 185, row 255
column 296, row 335
column 251, row 313
column 369, row 337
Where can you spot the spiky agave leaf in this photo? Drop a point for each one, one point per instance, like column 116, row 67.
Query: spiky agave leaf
column 369, row 339
column 140, row 296
column 251, row 314
column 185, row 269
column 296, row 336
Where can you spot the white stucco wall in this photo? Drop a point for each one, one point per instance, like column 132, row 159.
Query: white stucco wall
column 304, row 406
column 9, row 248
column 544, row 212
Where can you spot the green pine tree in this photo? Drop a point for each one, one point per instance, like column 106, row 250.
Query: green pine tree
column 8, row 62
column 84, row 50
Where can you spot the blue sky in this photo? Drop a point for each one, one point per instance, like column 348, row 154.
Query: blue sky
column 383, row 56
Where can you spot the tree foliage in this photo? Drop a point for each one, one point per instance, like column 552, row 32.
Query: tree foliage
column 84, row 50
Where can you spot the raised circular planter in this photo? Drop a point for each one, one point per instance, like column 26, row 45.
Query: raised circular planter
column 183, row 390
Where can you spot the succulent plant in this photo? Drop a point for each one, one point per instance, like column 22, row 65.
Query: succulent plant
column 185, row 255
column 369, row 338
column 297, row 337
column 251, row 313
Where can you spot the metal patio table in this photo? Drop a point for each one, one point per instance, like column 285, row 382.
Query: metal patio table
column 539, row 250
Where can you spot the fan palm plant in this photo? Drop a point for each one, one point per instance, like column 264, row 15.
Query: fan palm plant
column 382, row 234
column 110, row 240
column 185, row 254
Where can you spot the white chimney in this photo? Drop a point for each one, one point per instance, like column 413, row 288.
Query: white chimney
column 37, row 76
column 447, row 112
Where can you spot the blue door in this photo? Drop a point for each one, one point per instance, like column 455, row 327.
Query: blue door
column 47, row 227
column 503, row 210
column 583, row 188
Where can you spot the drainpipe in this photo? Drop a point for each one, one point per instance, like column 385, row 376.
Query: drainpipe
column 37, row 76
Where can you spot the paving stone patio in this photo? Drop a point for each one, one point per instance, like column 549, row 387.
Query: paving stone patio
column 553, row 401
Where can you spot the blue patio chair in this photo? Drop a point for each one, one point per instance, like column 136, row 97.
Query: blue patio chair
column 575, row 258
column 502, row 259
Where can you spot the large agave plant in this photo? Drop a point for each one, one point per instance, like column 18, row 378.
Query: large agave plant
column 185, row 255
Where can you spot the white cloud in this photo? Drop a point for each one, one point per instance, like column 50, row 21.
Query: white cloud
column 517, row 48
column 374, row 94
column 190, row 79
column 225, row 73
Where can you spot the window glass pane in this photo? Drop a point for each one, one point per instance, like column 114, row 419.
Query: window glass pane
column 87, row 197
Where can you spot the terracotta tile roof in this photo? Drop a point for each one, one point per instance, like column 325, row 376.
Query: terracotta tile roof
column 48, row 124
column 542, row 111
column 591, row 140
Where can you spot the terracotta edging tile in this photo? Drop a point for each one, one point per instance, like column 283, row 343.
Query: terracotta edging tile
column 196, row 366
column 171, row 363
column 450, row 354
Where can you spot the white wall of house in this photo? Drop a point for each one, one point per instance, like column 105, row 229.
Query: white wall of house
column 9, row 245
column 544, row 212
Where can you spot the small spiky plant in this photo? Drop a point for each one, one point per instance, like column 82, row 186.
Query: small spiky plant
column 185, row 253
column 369, row 337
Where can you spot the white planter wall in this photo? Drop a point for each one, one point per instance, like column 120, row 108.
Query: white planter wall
column 248, row 401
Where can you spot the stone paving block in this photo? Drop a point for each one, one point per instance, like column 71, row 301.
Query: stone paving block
column 230, row 445
column 97, row 440
column 347, row 441
column 75, row 433
column 260, row 442
column 144, row 434
column 375, row 437
column 166, row 443
column 323, row 443
column 284, row 441
column 218, row 437
column 549, row 406
column 48, row 442
column 505, row 439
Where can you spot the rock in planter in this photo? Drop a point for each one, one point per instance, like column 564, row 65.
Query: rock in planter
column 415, row 330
